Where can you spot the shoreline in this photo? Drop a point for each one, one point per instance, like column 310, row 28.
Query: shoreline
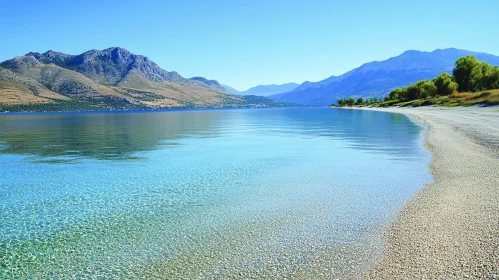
column 450, row 228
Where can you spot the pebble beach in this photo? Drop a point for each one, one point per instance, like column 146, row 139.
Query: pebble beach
column 450, row 229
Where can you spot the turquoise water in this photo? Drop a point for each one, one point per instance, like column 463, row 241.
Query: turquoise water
column 303, row 193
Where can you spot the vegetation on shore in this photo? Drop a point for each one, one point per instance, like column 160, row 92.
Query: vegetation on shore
column 472, row 82
column 110, row 103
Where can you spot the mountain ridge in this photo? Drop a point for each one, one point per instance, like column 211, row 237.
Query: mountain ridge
column 113, row 78
column 378, row 78
column 231, row 89
column 264, row 90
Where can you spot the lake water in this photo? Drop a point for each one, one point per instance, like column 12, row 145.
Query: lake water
column 303, row 193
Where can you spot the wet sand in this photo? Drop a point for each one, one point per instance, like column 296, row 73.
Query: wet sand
column 450, row 229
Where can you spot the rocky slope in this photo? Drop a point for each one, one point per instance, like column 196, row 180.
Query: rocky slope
column 109, row 79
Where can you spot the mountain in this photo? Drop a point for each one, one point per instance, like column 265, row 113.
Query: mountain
column 113, row 78
column 231, row 89
column 380, row 77
column 263, row 90
column 267, row 90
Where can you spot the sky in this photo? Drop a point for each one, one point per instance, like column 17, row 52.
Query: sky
column 247, row 43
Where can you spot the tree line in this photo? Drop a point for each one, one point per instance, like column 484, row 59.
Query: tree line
column 468, row 75
column 350, row 101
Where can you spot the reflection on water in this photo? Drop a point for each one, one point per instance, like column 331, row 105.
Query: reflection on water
column 120, row 136
column 107, row 136
column 290, row 193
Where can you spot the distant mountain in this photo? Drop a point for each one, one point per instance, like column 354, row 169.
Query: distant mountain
column 231, row 89
column 106, row 79
column 380, row 77
column 267, row 90
column 263, row 90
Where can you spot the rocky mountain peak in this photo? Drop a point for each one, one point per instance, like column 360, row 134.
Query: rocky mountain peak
column 20, row 63
column 120, row 56
column 109, row 67
column 50, row 57
column 52, row 54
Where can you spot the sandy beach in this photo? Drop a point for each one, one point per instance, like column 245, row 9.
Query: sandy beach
column 450, row 229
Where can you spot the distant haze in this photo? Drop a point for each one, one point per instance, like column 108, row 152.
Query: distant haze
column 263, row 90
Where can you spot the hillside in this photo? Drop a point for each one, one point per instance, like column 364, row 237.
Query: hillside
column 109, row 79
column 377, row 79
column 263, row 90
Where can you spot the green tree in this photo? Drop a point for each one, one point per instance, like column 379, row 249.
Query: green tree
column 495, row 77
column 468, row 74
column 395, row 94
column 341, row 102
column 373, row 100
column 403, row 94
column 445, row 84
column 412, row 92
column 490, row 77
column 350, row 101
column 426, row 89
column 360, row 101
column 420, row 90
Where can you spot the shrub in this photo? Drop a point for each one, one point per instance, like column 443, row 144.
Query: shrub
column 445, row 84
column 416, row 103
column 350, row 101
column 490, row 77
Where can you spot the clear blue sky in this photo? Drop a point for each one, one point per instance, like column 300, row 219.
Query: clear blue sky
column 245, row 43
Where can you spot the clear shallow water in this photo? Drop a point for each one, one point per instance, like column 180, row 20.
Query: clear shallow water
column 201, row 194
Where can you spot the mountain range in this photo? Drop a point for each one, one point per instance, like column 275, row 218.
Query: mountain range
column 113, row 78
column 378, row 78
column 264, row 90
